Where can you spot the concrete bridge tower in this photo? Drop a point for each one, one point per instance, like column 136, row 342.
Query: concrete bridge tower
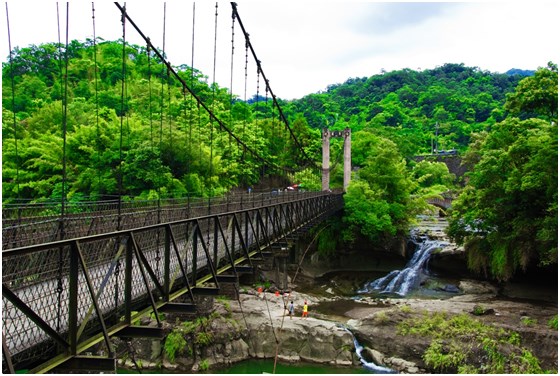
column 346, row 133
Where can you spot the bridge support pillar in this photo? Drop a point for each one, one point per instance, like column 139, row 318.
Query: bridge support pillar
column 325, row 184
column 347, row 159
column 326, row 159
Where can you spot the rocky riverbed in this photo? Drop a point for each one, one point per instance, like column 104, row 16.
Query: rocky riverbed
column 257, row 325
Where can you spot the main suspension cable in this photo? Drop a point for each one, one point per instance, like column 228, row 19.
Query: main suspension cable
column 259, row 68
column 196, row 97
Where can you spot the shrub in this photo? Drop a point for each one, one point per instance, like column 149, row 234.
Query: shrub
column 553, row 322
column 441, row 358
column 381, row 317
column 462, row 343
column 527, row 321
column 173, row 343
column 204, row 365
column 203, row 339
column 405, row 308
column 478, row 310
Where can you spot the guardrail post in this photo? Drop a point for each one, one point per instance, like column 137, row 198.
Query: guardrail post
column 195, row 256
column 73, row 299
column 166, row 261
column 216, row 226
column 233, row 239
column 247, row 228
column 128, row 282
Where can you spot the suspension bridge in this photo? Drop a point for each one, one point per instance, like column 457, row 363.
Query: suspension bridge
column 74, row 275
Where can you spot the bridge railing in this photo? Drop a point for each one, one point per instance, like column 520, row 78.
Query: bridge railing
column 24, row 225
column 63, row 297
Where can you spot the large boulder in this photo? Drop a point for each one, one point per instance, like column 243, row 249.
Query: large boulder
column 271, row 331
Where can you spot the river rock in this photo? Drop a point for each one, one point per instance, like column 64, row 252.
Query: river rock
column 402, row 365
column 308, row 339
column 477, row 287
column 373, row 355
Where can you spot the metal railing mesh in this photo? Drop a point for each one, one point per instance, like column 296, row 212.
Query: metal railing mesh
column 40, row 276
column 30, row 224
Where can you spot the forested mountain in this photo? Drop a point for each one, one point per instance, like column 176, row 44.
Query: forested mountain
column 507, row 215
column 406, row 105
column 78, row 124
column 181, row 148
column 129, row 129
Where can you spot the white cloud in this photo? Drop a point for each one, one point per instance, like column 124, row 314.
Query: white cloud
column 304, row 46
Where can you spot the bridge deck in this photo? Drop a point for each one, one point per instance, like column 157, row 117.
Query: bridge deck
column 62, row 298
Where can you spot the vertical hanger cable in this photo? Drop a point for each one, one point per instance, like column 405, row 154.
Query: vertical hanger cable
column 13, row 102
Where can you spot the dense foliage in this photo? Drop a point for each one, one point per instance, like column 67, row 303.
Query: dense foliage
column 507, row 215
column 96, row 135
column 78, row 123
column 463, row 344
column 379, row 202
column 406, row 105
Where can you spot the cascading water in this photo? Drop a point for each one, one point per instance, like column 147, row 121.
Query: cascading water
column 369, row 365
column 401, row 282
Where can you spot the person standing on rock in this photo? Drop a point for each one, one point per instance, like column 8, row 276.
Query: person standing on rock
column 291, row 309
column 304, row 314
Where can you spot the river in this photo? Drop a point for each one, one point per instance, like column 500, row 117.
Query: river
column 412, row 283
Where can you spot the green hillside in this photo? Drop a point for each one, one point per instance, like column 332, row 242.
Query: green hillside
column 78, row 124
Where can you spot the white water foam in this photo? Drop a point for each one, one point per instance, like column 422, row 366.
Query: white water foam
column 401, row 282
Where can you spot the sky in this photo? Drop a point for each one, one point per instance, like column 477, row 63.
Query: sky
column 304, row 46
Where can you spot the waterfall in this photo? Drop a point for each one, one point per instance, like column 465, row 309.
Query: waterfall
column 369, row 365
column 401, row 282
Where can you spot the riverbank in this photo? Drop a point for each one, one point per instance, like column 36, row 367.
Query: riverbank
column 376, row 322
column 257, row 326
column 498, row 328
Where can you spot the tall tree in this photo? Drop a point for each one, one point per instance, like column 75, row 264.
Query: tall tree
column 536, row 95
column 378, row 203
column 507, row 216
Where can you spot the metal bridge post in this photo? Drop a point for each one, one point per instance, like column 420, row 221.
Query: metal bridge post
column 128, row 282
column 257, row 225
column 216, row 226
column 6, row 355
column 166, row 262
column 247, row 219
column 73, row 299
column 195, row 253
column 233, row 234
column 347, row 159
column 326, row 160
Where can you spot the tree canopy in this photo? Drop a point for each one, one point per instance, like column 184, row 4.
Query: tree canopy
column 507, row 215
column 97, row 133
column 107, row 128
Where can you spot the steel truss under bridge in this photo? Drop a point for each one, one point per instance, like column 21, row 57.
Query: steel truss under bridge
column 60, row 299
